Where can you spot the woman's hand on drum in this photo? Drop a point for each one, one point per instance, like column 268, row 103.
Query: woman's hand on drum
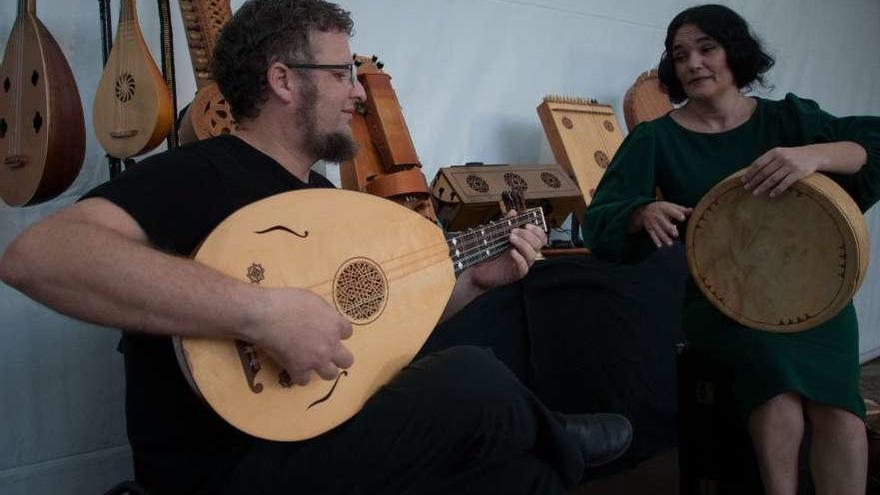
column 658, row 219
column 776, row 170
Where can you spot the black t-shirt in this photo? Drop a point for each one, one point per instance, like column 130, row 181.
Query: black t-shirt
column 178, row 198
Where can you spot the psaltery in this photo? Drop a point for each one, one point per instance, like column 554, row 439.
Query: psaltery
column 132, row 111
column 42, row 134
column 392, row 284
column 584, row 135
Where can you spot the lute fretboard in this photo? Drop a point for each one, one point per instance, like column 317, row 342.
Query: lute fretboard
column 483, row 243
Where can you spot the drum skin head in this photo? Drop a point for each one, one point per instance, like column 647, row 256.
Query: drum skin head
column 782, row 264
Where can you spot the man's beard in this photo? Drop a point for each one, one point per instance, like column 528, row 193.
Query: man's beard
column 330, row 146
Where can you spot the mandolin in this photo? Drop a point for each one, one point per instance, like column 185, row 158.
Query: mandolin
column 132, row 111
column 42, row 134
column 208, row 115
column 392, row 284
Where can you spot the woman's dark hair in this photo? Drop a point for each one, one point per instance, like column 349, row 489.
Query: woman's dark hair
column 745, row 56
column 263, row 32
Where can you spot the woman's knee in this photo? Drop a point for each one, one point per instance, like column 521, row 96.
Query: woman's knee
column 834, row 420
column 782, row 414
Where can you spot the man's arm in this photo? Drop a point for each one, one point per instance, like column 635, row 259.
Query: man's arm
column 92, row 261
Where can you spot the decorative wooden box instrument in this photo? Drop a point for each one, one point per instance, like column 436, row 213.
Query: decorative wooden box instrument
column 208, row 115
column 386, row 163
column 42, row 133
column 132, row 111
column 645, row 100
column 385, row 268
column 584, row 135
column 782, row 264
column 469, row 195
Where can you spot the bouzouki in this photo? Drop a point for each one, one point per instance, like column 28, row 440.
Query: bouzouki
column 42, row 134
column 132, row 112
column 208, row 115
column 385, row 268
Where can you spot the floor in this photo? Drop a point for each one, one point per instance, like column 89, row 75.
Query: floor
column 659, row 475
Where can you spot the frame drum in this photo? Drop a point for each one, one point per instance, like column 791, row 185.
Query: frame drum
column 782, row 264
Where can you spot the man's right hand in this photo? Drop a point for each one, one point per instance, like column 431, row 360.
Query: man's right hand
column 302, row 333
column 658, row 219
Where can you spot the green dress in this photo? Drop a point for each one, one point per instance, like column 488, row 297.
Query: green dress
column 820, row 364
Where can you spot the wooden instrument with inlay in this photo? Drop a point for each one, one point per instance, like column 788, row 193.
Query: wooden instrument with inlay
column 781, row 264
column 208, row 115
column 385, row 268
column 645, row 100
column 42, row 134
column 386, row 163
column 584, row 136
column 469, row 195
column 132, row 112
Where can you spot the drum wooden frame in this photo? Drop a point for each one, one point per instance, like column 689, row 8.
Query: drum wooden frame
column 782, row 264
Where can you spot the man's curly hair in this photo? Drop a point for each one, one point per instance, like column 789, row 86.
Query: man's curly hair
column 745, row 56
column 262, row 32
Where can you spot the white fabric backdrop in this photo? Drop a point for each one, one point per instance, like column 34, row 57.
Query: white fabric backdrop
column 469, row 74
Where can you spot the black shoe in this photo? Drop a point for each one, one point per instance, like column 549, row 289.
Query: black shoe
column 601, row 438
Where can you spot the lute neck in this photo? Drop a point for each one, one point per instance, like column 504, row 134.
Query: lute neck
column 483, row 243
column 26, row 7
column 127, row 11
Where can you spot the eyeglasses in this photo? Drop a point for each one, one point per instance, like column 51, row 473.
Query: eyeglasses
column 351, row 68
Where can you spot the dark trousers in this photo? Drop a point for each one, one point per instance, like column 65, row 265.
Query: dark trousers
column 453, row 422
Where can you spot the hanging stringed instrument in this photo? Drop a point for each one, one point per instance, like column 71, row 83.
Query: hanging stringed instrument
column 208, row 115
column 386, row 163
column 392, row 284
column 42, row 134
column 132, row 108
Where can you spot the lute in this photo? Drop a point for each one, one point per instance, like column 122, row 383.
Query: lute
column 42, row 134
column 392, row 284
column 132, row 111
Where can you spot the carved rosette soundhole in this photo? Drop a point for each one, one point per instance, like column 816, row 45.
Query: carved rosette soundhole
column 608, row 126
column 601, row 159
column 567, row 123
column 551, row 180
column 516, row 182
column 35, row 78
column 3, row 128
column 477, row 183
column 219, row 116
column 256, row 273
column 7, row 84
column 360, row 291
column 125, row 87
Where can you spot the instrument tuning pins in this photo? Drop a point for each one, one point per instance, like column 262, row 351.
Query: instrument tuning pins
column 375, row 59
column 380, row 65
